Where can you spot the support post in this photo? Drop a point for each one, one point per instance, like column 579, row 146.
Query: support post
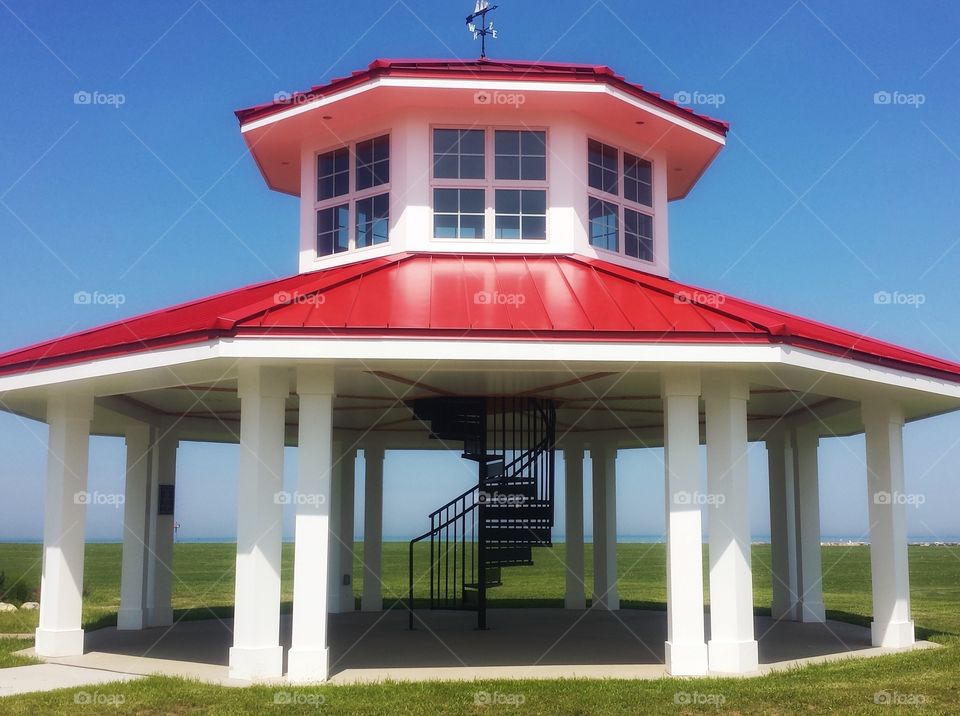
column 136, row 522
column 372, row 600
column 604, row 463
column 732, row 646
column 892, row 621
column 64, row 525
column 348, row 473
column 575, row 596
column 686, row 648
column 806, row 444
column 256, row 651
column 309, row 657
column 336, row 502
column 783, row 538
column 161, row 531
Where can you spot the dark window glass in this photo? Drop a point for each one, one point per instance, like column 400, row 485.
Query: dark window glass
column 521, row 155
column 638, row 235
column 333, row 174
column 373, row 162
column 458, row 213
column 602, row 167
column 521, row 214
column 333, row 235
column 458, row 154
column 637, row 180
column 373, row 220
column 604, row 224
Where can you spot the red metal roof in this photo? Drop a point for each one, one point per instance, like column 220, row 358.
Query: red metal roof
column 486, row 297
column 482, row 69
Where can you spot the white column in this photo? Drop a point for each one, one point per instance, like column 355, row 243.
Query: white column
column 686, row 648
column 64, row 525
column 334, row 551
column 806, row 443
column 573, row 470
column 348, row 483
column 136, row 521
column 309, row 655
column 892, row 623
column 161, row 522
column 604, row 464
column 256, row 651
column 732, row 646
column 372, row 600
column 783, row 542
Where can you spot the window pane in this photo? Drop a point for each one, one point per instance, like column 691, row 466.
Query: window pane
column 333, row 174
column 602, row 167
column 332, row 233
column 508, row 142
column 508, row 227
column 364, row 178
column 373, row 162
column 521, row 155
column 534, row 202
column 471, row 167
column 373, row 220
column 533, row 144
column 508, row 168
column 381, row 172
column 445, row 226
column 472, row 201
column 637, row 180
column 471, row 141
column 445, row 167
column 471, row 226
column 508, row 201
column 458, row 154
column 604, row 224
column 459, row 213
column 381, row 148
column 638, row 234
column 445, row 200
column 445, row 141
column 534, row 227
column 534, row 168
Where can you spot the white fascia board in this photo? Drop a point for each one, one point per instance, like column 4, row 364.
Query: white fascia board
column 485, row 84
column 543, row 352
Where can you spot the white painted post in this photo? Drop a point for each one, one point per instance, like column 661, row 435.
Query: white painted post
column 336, row 501
column 372, row 600
column 348, row 472
column 732, row 647
column 64, row 525
column 686, row 648
column 809, row 570
column 892, row 622
column 136, row 521
column 573, row 470
column 783, row 544
column 604, row 460
column 256, row 651
column 309, row 656
column 160, row 555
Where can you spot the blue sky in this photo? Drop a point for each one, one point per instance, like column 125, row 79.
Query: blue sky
column 826, row 194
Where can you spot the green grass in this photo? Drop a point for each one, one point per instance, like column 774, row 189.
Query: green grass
column 204, row 581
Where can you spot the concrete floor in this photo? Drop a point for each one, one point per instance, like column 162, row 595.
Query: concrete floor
column 521, row 643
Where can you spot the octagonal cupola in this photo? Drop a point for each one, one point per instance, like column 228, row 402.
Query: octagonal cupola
column 483, row 156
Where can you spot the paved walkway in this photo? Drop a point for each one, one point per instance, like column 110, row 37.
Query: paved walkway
column 47, row 677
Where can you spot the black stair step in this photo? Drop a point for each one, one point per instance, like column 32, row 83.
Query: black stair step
column 495, row 554
column 494, row 578
column 541, row 513
column 521, row 535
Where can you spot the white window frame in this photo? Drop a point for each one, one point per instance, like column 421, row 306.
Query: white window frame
column 352, row 196
column 620, row 199
column 490, row 184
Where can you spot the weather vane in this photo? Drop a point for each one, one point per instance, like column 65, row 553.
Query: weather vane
column 483, row 29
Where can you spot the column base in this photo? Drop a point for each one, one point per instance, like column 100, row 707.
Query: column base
column 576, row 602
column 785, row 612
column 813, row 612
column 733, row 657
column 54, row 643
column 892, row 635
column 159, row 617
column 610, row 602
column 686, row 659
column 308, row 666
column 130, row 620
column 253, row 663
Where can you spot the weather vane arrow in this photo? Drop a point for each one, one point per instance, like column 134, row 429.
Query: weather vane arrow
column 482, row 29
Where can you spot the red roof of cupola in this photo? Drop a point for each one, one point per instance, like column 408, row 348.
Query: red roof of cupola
column 511, row 70
column 473, row 297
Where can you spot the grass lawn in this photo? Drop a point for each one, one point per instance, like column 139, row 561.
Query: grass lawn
column 927, row 681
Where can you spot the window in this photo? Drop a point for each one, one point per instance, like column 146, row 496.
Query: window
column 603, row 167
column 638, row 235
column 487, row 195
column 333, row 230
column 373, row 162
column 521, row 155
column 333, row 174
column 521, row 214
column 604, row 224
column 373, row 220
column 637, row 180
column 353, row 214
column 459, row 213
column 609, row 210
column 458, row 154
